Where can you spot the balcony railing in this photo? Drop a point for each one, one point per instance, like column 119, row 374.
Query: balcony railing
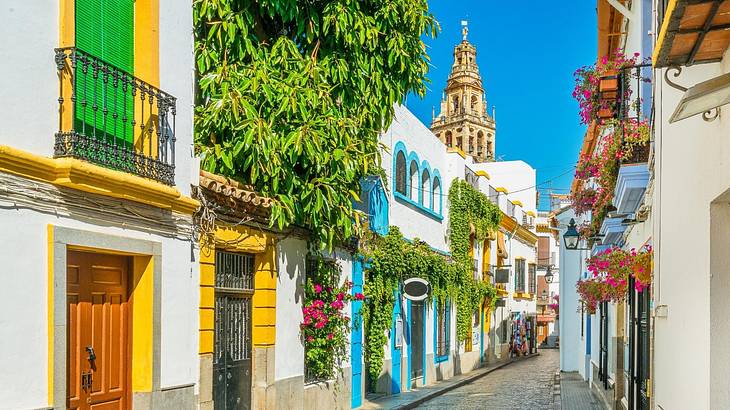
column 113, row 119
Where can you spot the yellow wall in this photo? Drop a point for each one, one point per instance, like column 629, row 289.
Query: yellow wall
column 245, row 240
column 142, row 298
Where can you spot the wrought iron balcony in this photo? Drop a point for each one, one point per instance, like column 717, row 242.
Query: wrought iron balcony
column 113, row 119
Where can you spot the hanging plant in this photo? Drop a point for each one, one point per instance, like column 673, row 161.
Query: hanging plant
column 587, row 90
column 325, row 327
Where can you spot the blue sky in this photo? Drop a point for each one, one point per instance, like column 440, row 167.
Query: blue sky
column 526, row 52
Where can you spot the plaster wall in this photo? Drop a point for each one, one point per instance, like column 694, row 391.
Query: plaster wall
column 291, row 254
column 30, row 82
column 25, row 332
column 692, row 163
column 413, row 222
column 572, row 344
column 517, row 176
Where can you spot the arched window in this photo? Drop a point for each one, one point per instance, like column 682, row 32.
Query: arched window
column 474, row 101
column 458, row 143
column 471, row 144
column 436, row 195
column 480, row 143
column 455, row 104
column 426, row 188
column 449, row 141
column 413, row 172
column 400, row 173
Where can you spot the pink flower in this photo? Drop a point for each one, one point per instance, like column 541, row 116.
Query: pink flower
column 330, row 336
column 340, row 296
column 359, row 296
column 319, row 325
column 310, row 339
column 317, row 288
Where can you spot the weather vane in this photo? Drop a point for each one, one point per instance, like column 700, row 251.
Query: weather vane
column 464, row 28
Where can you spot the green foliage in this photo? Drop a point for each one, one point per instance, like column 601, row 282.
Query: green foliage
column 470, row 211
column 293, row 93
column 391, row 260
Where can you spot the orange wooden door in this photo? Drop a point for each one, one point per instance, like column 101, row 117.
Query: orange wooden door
column 98, row 325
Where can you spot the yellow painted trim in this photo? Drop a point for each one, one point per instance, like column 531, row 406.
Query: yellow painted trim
column 50, row 314
column 532, row 214
column 142, row 323
column 247, row 240
column 520, row 258
column 522, row 295
column 76, row 174
column 502, row 292
column 509, row 224
column 517, row 202
column 663, row 32
column 457, row 151
column 146, row 63
column 483, row 174
column 67, row 38
column 502, row 190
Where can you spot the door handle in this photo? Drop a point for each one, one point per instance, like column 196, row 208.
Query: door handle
column 92, row 355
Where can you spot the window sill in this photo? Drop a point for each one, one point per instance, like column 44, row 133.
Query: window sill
column 418, row 207
column 441, row 359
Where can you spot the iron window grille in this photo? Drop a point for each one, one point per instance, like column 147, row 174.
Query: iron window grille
column 111, row 118
column 234, row 286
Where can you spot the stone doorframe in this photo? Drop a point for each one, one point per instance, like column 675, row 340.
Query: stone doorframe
column 60, row 239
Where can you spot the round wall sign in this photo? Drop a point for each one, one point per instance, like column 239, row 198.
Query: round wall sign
column 416, row 288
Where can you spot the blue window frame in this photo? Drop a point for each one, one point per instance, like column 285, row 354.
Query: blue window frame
column 441, row 331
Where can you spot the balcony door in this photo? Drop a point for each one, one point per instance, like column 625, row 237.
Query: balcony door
column 103, row 85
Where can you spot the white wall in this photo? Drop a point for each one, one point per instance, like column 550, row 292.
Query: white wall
column 572, row 345
column 25, row 293
column 291, row 254
column 29, row 117
column 517, row 176
column 406, row 128
column 176, row 78
column 692, row 163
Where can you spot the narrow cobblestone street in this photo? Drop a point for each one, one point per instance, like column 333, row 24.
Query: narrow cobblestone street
column 526, row 384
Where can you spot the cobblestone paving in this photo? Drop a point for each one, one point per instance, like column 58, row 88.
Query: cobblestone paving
column 526, row 384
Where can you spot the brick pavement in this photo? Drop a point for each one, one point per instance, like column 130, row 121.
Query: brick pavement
column 526, row 384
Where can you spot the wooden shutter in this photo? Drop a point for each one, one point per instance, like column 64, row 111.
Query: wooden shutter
column 105, row 30
column 543, row 250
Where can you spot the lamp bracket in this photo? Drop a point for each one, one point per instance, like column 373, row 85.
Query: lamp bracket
column 711, row 115
column 678, row 71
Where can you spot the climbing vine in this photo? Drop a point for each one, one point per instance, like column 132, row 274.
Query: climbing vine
column 470, row 213
column 392, row 258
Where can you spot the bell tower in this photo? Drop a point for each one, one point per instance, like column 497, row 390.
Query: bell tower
column 463, row 121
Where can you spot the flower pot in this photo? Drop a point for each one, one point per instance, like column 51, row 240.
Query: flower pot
column 606, row 113
column 608, row 86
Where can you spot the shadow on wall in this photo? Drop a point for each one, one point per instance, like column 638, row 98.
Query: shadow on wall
column 295, row 259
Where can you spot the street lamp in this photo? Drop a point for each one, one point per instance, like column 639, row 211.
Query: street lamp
column 549, row 274
column 571, row 236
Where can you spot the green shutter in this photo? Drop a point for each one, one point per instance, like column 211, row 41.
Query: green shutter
column 105, row 30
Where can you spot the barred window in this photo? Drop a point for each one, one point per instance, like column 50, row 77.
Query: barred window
column 443, row 327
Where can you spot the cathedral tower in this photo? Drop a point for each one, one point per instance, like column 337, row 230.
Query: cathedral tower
column 463, row 121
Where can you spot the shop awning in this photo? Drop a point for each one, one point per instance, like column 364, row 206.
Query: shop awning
column 693, row 32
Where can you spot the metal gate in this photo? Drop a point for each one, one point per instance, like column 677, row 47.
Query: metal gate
column 232, row 358
column 417, row 338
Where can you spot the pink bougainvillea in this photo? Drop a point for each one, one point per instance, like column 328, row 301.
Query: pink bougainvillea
column 325, row 325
